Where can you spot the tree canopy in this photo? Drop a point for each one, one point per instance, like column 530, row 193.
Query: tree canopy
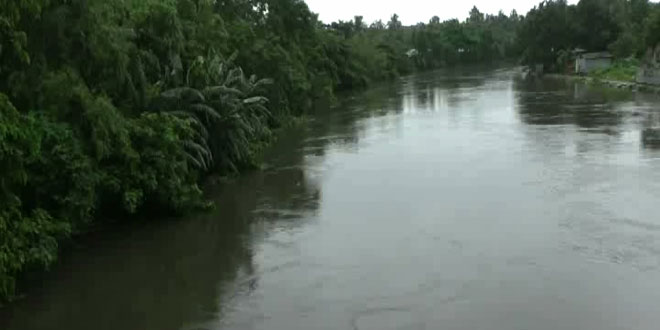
column 624, row 27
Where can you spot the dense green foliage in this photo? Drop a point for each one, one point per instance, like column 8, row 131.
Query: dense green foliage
column 481, row 38
column 113, row 108
column 621, row 70
column 550, row 31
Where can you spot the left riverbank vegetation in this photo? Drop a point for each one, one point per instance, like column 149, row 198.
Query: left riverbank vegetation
column 114, row 109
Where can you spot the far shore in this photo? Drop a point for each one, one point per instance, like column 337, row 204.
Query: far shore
column 619, row 84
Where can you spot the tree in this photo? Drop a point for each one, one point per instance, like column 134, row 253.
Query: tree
column 652, row 28
column 514, row 15
column 377, row 25
column 359, row 23
column 597, row 23
column 545, row 31
column 475, row 15
column 394, row 23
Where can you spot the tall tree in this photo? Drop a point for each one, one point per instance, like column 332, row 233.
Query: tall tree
column 475, row 15
column 598, row 23
column 394, row 23
column 547, row 29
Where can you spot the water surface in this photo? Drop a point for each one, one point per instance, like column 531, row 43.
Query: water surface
column 458, row 199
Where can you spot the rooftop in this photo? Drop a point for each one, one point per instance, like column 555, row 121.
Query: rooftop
column 595, row 55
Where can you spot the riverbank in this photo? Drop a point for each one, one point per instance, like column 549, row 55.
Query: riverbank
column 113, row 225
column 618, row 84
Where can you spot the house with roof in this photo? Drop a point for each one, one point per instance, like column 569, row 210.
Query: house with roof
column 586, row 63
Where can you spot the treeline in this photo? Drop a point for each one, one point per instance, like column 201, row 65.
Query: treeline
column 480, row 38
column 626, row 28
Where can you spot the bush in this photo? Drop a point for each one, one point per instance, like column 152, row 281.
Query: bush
column 622, row 70
column 155, row 172
column 50, row 187
column 28, row 233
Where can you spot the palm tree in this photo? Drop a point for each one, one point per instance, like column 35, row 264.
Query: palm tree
column 229, row 113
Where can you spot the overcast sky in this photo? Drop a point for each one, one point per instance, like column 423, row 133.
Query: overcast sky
column 413, row 11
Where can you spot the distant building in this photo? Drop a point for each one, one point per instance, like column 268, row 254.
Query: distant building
column 586, row 63
column 412, row 52
column 649, row 73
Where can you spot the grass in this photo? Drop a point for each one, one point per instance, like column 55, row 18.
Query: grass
column 621, row 70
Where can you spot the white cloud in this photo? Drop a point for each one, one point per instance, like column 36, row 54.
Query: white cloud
column 413, row 11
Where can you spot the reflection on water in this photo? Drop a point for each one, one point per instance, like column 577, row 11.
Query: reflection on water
column 463, row 199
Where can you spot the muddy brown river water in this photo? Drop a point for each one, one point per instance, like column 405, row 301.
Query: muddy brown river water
column 458, row 199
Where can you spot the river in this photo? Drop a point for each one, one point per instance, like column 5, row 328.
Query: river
column 456, row 199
